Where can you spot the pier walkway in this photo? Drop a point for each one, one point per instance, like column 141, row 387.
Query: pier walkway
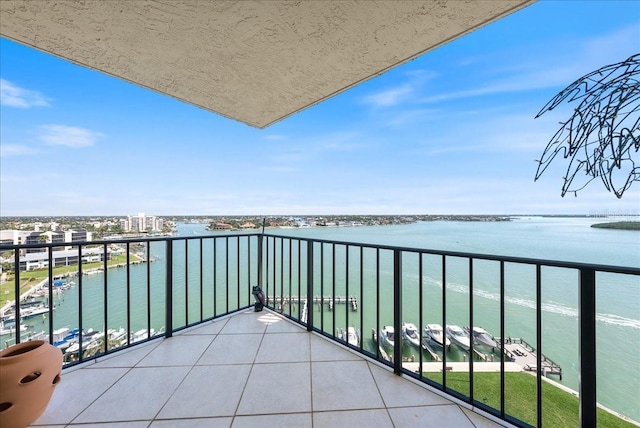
column 245, row 370
column 522, row 353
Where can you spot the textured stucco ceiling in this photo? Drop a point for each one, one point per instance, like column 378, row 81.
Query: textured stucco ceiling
column 254, row 61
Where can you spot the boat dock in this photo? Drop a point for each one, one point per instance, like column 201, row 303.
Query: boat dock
column 522, row 353
column 320, row 300
column 457, row 366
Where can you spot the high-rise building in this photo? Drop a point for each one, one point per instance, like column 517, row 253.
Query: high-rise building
column 141, row 223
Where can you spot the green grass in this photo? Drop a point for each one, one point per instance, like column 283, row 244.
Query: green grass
column 559, row 408
column 30, row 278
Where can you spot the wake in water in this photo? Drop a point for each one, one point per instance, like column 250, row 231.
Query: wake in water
column 550, row 306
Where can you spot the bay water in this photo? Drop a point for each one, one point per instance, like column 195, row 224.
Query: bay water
column 549, row 238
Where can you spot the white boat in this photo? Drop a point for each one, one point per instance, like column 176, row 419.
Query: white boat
column 352, row 337
column 387, row 336
column 9, row 327
column 410, row 332
column 435, row 333
column 459, row 337
column 481, row 337
column 142, row 335
column 90, row 341
column 117, row 338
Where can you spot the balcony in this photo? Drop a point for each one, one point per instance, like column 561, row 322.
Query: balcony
column 295, row 361
column 247, row 369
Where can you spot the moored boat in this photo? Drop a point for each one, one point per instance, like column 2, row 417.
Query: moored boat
column 387, row 336
column 410, row 333
column 481, row 337
column 458, row 336
column 353, row 336
column 435, row 333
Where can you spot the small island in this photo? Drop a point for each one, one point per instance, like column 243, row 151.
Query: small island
column 620, row 225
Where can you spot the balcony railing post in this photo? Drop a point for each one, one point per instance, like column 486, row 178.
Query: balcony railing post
column 397, row 311
column 169, row 291
column 309, row 285
column 260, row 260
column 587, row 320
column 16, row 270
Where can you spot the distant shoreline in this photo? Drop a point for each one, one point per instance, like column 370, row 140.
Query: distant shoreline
column 619, row 225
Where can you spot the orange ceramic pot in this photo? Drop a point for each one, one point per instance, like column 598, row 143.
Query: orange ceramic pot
column 29, row 372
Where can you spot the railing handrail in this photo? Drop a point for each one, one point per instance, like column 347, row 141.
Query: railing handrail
column 479, row 256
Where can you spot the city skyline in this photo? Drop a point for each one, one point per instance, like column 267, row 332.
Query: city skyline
column 451, row 132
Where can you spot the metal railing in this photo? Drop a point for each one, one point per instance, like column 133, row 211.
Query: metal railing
column 164, row 285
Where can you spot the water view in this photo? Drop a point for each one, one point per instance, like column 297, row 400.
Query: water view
column 564, row 239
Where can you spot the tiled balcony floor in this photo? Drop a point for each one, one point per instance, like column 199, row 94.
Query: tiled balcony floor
column 249, row 369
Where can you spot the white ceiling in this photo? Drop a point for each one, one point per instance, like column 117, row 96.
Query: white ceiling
column 254, row 61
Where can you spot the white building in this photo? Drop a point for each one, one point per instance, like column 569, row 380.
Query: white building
column 141, row 223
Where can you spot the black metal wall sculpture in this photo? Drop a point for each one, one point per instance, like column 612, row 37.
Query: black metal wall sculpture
column 602, row 137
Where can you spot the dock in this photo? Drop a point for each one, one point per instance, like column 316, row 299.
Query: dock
column 319, row 300
column 517, row 350
column 456, row 366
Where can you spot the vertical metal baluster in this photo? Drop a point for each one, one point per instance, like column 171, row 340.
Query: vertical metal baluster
column 148, row 285
column 539, row 343
column 238, row 271
column 444, row 322
column 378, row 301
column 362, row 292
column 105, row 295
column 186, row 282
column 587, row 346
column 249, row 282
column 226, row 277
column 281, row 272
column 201, row 282
column 80, row 331
column 215, row 279
column 322, row 287
column 420, row 309
column 299, row 277
column 128, row 249
column 309, row 285
column 290, row 277
column 502, row 395
column 333, row 288
column 50, row 288
column 16, row 290
column 346, row 291
column 397, row 311
column 168, row 312
column 471, row 347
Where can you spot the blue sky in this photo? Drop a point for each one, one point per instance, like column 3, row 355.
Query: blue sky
column 451, row 132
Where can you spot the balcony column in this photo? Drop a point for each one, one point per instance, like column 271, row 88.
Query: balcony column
column 169, row 291
column 309, row 285
column 587, row 373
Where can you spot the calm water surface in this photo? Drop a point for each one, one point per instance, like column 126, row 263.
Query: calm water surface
column 564, row 239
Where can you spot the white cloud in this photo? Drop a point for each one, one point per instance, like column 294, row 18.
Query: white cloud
column 69, row 136
column 7, row 150
column 15, row 96
column 390, row 97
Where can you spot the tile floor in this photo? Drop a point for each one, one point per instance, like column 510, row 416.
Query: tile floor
column 249, row 369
